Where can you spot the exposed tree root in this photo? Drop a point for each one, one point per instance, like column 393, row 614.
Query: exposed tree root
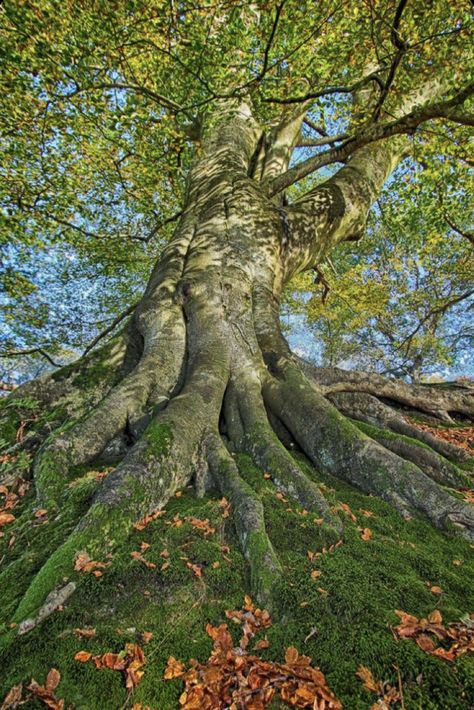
column 335, row 445
column 435, row 466
column 248, row 516
column 439, row 401
column 367, row 408
column 261, row 443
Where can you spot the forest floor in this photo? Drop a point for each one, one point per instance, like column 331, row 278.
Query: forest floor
column 183, row 570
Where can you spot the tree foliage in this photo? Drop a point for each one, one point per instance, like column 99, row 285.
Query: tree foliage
column 100, row 120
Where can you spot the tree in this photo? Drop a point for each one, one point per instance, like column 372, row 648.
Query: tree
column 123, row 119
column 397, row 303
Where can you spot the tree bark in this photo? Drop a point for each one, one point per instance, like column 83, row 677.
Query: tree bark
column 202, row 370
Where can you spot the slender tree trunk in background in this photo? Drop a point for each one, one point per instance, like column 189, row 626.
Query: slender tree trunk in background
column 207, row 372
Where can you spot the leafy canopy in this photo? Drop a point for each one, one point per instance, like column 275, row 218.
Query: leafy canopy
column 101, row 109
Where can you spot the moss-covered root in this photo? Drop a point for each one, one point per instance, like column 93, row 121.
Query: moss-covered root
column 367, row 408
column 88, row 437
column 96, row 536
column 145, row 480
column 268, row 453
column 265, row 568
column 335, row 445
column 434, row 465
column 261, row 443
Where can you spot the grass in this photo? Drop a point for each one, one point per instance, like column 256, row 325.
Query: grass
column 363, row 582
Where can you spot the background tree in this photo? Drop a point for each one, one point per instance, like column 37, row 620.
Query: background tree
column 146, row 135
column 399, row 302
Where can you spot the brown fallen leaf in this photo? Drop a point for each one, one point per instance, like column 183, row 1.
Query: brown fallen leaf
column 218, row 683
column 174, row 669
column 84, row 633
column 141, row 525
column 202, row 525
column 129, row 662
column 426, row 643
column 435, row 617
column 135, row 555
column 348, row 512
column 460, row 634
column 386, row 693
column 366, row 534
column 45, row 693
column 13, row 697
column 83, row 563
column 436, row 590
column 368, row 679
column 291, row 655
column 197, row 569
column 6, row 518
column 83, row 656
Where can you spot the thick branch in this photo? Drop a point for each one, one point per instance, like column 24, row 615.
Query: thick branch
column 406, row 124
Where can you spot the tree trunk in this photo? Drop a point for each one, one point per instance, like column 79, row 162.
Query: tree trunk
column 202, row 370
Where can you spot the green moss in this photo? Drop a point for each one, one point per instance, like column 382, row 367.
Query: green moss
column 380, row 434
column 351, row 603
column 159, row 438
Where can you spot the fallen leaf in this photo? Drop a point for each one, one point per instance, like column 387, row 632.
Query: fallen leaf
column 83, row 656
column 13, row 697
column 84, row 633
column 6, row 518
column 436, row 590
column 291, row 655
column 174, row 669
column 141, row 525
column 366, row 534
column 197, row 569
column 426, row 643
column 348, row 512
column 435, row 617
column 368, row 679
column 52, row 679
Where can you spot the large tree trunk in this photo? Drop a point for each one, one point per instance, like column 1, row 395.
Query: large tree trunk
column 202, row 370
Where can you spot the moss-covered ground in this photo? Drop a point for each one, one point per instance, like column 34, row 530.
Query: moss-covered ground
column 341, row 618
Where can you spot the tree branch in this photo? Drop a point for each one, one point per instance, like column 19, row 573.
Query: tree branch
column 144, row 91
column 326, row 140
column 109, row 328
column 327, row 91
column 31, row 351
column 374, row 132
